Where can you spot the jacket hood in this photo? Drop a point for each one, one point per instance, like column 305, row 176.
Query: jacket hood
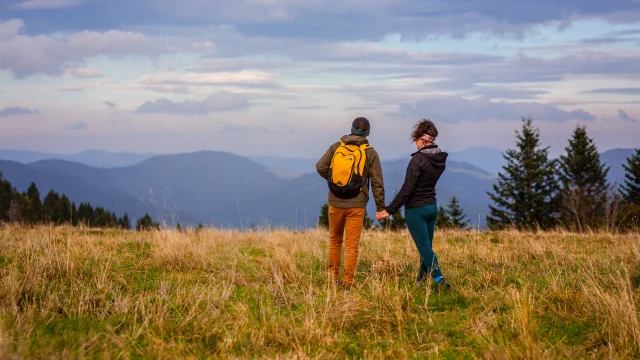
column 436, row 157
column 354, row 139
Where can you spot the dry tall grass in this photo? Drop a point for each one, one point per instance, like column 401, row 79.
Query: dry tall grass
column 68, row 293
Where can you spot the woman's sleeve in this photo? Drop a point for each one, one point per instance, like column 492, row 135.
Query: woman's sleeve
column 410, row 180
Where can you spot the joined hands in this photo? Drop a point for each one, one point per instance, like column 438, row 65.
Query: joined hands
column 382, row 215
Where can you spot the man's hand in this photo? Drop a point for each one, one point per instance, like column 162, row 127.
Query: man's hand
column 382, row 215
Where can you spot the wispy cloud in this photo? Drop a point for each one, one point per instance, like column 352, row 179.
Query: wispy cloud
column 17, row 110
column 622, row 115
column 619, row 91
column 243, row 130
column 80, row 73
column 169, row 81
column 76, row 88
column 456, row 110
column 80, row 125
column 308, row 107
column 221, row 101
column 47, row 4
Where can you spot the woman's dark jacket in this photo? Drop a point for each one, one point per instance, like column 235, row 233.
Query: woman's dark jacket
column 419, row 188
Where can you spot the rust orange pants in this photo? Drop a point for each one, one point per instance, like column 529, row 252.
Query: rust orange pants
column 344, row 224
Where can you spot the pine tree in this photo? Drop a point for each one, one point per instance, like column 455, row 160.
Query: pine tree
column 82, row 214
column 367, row 223
column 99, row 217
column 51, row 207
column 126, row 223
column 631, row 187
column 85, row 214
column 74, row 214
column 443, row 220
column 584, row 183
column 6, row 191
column 102, row 218
column 17, row 206
column 526, row 193
column 323, row 218
column 146, row 223
column 34, row 213
column 456, row 214
column 64, row 206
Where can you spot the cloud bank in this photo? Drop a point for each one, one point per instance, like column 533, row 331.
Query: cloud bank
column 17, row 110
column 457, row 110
column 221, row 101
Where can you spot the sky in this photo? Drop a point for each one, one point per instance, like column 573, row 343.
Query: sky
column 287, row 77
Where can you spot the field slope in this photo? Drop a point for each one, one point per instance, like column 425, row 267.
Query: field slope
column 68, row 293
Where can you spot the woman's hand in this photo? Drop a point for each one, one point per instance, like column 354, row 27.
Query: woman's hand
column 382, row 215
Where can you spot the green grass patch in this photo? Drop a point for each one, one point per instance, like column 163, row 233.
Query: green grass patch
column 5, row 261
column 69, row 334
column 557, row 330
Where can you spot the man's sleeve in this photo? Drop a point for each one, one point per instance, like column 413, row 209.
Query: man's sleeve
column 377, row 181
column 323, row 165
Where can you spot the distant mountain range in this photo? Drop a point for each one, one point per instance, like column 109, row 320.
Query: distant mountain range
column 486, row 158
column 97, row 158
column 615, row 159
column 228, row 190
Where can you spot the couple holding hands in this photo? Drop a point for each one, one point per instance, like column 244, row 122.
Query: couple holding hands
column 351, row 165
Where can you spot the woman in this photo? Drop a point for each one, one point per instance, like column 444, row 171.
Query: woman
column 418, row 196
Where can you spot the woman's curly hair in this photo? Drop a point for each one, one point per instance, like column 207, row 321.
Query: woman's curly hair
column 422, row 127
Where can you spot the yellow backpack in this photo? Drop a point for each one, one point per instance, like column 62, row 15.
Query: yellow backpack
column 346, row 172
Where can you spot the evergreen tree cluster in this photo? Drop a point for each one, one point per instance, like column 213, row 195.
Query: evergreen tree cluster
column 534, row 191
column 146, row 223
column 451, row 216
column 396, row 222
column 29, row 208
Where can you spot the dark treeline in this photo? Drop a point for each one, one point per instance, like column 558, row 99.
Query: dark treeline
column 572, row 192
column 452, row 216
column 29, row 208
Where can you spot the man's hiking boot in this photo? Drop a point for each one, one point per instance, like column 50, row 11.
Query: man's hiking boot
column 341, row 285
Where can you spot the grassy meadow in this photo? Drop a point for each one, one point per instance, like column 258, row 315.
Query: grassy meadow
column 73, row 293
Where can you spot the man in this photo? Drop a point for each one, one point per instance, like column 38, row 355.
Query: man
column 349, row 166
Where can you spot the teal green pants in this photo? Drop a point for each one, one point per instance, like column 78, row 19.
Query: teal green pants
column 421, row 223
